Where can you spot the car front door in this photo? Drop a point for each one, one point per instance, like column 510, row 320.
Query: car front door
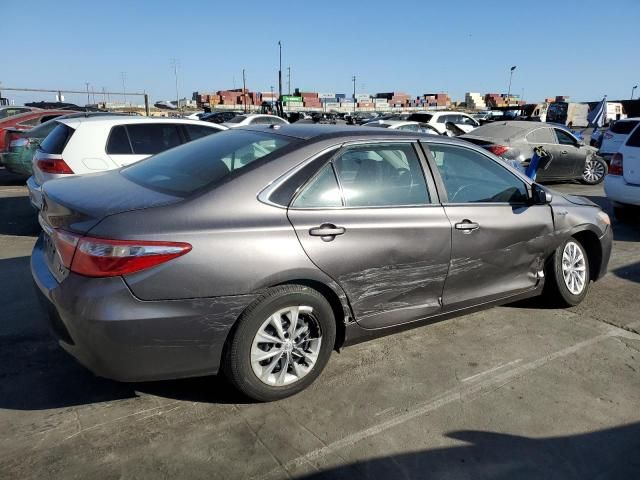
column 370, row 219
column 499, row 239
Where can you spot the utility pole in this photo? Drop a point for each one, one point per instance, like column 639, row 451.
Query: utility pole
column 244, row 91
column 123, row 75
column 280, row 71
column 174, row 64
column 289, row 80
column 632, row 90
column 104, row 98
column 88, row 99
column 510, row 77
column 93, row 94
column 353, row 79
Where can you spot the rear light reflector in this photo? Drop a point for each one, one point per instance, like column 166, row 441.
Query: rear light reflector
column 101, row 257
column 616, row 166
column 54, row 165
column 498, row 150
column 66, row 243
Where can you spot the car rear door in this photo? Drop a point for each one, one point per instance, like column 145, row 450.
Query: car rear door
column 631, row 158
column 499, row 240
column 370, row 221
column 568, row 158
column 130, row 143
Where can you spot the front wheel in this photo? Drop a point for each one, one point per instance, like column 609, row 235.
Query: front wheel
column 567, row 281
column 595, row 169
column 281, row 344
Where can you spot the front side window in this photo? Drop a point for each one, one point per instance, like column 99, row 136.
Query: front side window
column 196, row 165
column 471, row 177
column 381, row 175
column 564, row 138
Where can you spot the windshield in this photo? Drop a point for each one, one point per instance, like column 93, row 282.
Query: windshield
column 184, row 170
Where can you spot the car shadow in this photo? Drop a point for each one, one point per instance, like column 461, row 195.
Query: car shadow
column 36, row 373
column 609, row 453
column 8, row 179
column 629, row 272
column 17, row 217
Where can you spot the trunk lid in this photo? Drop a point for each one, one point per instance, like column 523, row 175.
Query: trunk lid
column 79, row 203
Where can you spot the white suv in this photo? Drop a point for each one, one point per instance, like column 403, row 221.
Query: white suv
column 255, row 119
column 615, row 136
column 440, row 119
column 622, row 184
column 88, row 145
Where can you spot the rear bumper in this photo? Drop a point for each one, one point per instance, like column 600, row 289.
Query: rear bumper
column 618, row 190
column 115, row 335
column 35, row 193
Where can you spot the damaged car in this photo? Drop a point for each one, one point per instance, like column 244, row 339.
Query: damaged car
column 258, row 251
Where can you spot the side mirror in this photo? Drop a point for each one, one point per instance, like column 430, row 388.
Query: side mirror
column 539, row 195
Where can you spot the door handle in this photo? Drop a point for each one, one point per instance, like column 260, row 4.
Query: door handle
column 563, row 152
column 327, row 231
column 467, row 226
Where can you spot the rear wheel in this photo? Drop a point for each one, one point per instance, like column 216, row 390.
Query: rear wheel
column 595, row 169
column 282, row 343
column 567, row 281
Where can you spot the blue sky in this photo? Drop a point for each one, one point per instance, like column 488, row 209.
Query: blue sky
column 579, row 48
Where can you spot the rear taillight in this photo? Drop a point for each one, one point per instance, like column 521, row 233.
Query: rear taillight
column 54, row 165
column 101, row 257
column 498, row 150
column 66, row 243
column 616, row 166
column 20, row 142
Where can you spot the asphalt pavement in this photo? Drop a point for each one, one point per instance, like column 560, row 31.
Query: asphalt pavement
column 519, row 391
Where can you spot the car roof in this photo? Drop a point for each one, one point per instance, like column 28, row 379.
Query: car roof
column 109, row 120
column 315, row 132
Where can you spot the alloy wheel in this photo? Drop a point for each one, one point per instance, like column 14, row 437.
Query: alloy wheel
column 573, row 268
column 286, row 346
column 593, row 171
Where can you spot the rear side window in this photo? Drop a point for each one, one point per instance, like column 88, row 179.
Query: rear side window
column 198, row 131
column 149, row 139
column 195, row 165
column 623, row 128
column 57, row 140
column 541, row 135
column 118, row 142
column 321, row 192
column 634, row 139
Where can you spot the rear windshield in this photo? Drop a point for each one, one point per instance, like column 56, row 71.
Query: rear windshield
column 57, row 139
column 623, row 127
column 499, row 130
column 195, row 165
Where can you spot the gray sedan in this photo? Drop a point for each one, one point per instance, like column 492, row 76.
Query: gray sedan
column 258, row 251
column 515, row 140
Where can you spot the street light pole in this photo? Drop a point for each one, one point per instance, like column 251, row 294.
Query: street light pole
column 632, row 90
column 510, row 78
column 353, row 79
column 280, row 71
column 88, row 100
column 124, row 87
column 174, row 64
column 244, row 91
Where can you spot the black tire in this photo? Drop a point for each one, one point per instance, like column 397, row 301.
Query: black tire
column 625, row 214
column 594, row 174
column 556, row 292
column 237, row 364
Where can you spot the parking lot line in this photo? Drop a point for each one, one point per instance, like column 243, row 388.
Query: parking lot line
column 461, row 392
column 491, row 370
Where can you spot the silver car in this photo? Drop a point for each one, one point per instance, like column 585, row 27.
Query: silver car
column 516, row 140
column 257, row 251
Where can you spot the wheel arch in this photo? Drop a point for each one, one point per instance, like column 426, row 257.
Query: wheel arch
column 591, row 243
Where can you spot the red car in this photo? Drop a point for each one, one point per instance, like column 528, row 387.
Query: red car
column 24, row 121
